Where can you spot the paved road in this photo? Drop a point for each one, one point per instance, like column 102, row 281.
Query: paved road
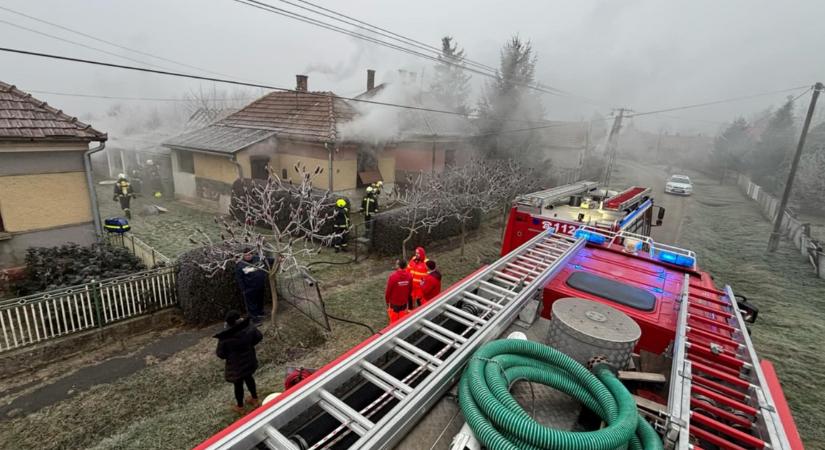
column 629, row 173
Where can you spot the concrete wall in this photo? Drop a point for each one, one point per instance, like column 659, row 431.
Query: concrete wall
column 184, row 182
column 215, row 167
column 797, row 232
column 13, row 248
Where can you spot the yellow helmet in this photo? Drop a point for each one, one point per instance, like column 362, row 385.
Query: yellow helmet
column 341, row 203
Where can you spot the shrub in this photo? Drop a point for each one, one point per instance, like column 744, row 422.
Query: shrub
column 50, row 268
column 388, row 234
column 205, row 298
column 241, row 187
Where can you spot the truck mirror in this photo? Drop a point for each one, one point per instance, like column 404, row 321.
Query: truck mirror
column 660, row 218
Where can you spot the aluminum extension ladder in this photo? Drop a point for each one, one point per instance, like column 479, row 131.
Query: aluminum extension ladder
column 471, row 313
column 718, row 392
column 542, row 199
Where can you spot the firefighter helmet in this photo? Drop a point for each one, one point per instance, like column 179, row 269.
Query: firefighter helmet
column 369, row 189
column 341, row 203
column 121, row 176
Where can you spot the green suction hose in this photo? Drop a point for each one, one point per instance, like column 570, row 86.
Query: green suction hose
column 500, row 423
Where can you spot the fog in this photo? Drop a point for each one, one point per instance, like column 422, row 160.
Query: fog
column 642, row 55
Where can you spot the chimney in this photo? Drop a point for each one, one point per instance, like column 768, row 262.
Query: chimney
column 301, row 82
column 370, row 79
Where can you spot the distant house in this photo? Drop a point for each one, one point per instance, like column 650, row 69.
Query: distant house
column 44, row 195
column 567, row 145
column 275, row 132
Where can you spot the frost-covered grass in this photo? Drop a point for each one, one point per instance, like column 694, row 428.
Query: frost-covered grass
column 730, row 237
column 178, row 402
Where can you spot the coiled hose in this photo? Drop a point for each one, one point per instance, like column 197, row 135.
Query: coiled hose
column 500, row 423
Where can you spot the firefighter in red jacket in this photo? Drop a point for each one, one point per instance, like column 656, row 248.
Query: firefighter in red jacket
column 418, row 269
column 397, row 294
column 431, row 286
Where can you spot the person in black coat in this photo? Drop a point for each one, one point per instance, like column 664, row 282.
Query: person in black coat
column 236, row 345
column 252, row 278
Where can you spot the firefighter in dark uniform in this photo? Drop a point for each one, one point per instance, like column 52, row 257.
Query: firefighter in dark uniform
column 124, row 193
column 341, row 225
column 369, row 206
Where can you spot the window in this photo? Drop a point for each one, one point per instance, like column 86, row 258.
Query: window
column 260, row 167
column 284, row 175
column 186, row 162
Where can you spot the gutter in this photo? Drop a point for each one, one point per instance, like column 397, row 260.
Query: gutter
column 329, row 169
column 87, row 166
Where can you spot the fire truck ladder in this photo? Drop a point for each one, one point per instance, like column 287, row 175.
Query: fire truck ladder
column 547, row 197
column 475, row 311
column 718, row 394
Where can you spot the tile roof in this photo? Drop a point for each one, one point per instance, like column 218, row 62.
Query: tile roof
column 307, row 116
column 25, row 118
column 219, row 138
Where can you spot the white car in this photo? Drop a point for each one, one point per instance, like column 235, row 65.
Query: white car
column 679, row 184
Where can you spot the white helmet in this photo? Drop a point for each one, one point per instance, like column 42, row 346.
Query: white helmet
column 149, row 162
column 369, row 189
column 121, row 176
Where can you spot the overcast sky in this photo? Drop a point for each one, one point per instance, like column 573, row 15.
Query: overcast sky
column 646, row 54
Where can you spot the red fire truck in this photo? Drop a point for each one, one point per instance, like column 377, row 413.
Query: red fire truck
column 670, row 350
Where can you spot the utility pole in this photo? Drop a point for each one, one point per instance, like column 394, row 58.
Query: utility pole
column 773, row 242
column 612, row 145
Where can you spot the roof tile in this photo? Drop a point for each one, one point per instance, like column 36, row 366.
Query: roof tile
column 23, row 117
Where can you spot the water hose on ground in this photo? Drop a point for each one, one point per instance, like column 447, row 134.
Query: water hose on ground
column 500, row 423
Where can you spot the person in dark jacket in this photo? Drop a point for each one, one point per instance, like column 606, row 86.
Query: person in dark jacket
column 236, row 345
column 252, row 278
column 123, row 192
column 369, row 206
column 341, row 225
column 431, row 286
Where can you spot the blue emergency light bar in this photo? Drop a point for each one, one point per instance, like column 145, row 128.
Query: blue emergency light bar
column 632, row 216
column 589, row 236
column 675, row 258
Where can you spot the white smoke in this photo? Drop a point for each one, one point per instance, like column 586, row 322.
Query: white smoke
column 375, row 123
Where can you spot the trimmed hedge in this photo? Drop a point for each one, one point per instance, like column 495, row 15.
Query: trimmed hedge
column 239, row 188
column 388, row 236
column 205, row 299
column 50, row 268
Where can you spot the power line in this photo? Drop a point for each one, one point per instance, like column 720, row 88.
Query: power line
column 377, row 30
column 148, row 99
column 113, row 44
column 221, row 80
column 321, row 24
column 717, row 102
column 80, row 44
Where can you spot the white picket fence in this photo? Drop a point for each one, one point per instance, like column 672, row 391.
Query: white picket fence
column 148, row 255
column 48, row 315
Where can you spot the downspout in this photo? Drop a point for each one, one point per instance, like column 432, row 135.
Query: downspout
column 234, row 160
column 329, row 169
column 87, row 166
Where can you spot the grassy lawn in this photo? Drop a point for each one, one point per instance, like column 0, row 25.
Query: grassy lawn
column 179, row 401
column 730, row 237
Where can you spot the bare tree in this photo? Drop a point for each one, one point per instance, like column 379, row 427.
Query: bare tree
column 511, row 179
column 467, row 189
column 423, row 209
column 293, row 215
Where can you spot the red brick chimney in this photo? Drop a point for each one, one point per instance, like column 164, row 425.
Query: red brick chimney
column 301, row 82
column 370, row 79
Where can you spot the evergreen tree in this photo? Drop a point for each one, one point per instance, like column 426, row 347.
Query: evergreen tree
column 730, row 148
column 451, row 84
column 508, row 104
column 775, row 149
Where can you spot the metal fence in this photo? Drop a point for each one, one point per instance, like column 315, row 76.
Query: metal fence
column 48, row 315
column 148, row 255
column 798, row 232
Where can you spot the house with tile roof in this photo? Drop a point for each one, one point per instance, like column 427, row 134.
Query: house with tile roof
column 275, row 132
column 45, row 198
